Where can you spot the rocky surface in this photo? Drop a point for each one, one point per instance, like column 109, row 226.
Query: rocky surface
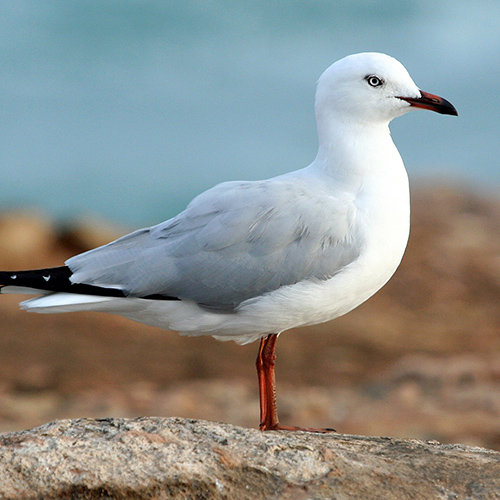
column 420, row 359
column 187, row 459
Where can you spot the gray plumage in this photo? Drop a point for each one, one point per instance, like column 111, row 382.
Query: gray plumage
column 236, row 241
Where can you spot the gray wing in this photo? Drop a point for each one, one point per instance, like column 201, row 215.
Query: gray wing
column 235, row 241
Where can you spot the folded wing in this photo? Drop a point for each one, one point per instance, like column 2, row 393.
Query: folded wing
column 235, row 241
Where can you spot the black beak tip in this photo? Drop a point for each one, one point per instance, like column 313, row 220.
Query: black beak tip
column 447, row 108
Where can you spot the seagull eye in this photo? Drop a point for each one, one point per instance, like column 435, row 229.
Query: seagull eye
column 374, row 81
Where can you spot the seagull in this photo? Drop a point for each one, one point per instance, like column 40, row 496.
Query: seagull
column 248, row 260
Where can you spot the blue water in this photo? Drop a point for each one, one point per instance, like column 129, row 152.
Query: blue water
column 128, row 109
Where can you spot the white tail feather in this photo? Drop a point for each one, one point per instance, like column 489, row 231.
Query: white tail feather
column 66, row 302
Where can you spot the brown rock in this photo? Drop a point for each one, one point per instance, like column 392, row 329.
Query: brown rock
column 27, row 240
column 188, row 459
column 85, row 233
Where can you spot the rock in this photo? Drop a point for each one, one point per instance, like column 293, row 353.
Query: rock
column 26, row 239
column 187, row 459
column 85, row 233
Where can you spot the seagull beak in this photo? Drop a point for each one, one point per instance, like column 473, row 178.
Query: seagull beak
column 432, row 102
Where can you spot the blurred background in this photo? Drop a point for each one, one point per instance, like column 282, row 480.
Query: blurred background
column 115, row 114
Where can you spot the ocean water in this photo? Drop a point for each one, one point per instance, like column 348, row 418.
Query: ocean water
column 128, row 109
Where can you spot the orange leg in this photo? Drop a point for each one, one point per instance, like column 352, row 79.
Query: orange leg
column 266, row 360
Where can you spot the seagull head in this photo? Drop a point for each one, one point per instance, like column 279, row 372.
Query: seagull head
column 372, row 88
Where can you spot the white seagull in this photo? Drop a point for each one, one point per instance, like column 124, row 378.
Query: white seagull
column 247, row 260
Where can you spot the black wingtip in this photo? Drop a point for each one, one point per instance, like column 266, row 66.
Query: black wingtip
column 54, row 279
column 58, row 279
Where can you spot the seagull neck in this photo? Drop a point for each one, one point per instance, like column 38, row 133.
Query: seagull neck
column 356, row 149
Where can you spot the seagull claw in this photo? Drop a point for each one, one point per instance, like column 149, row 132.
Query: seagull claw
column 280, row 427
